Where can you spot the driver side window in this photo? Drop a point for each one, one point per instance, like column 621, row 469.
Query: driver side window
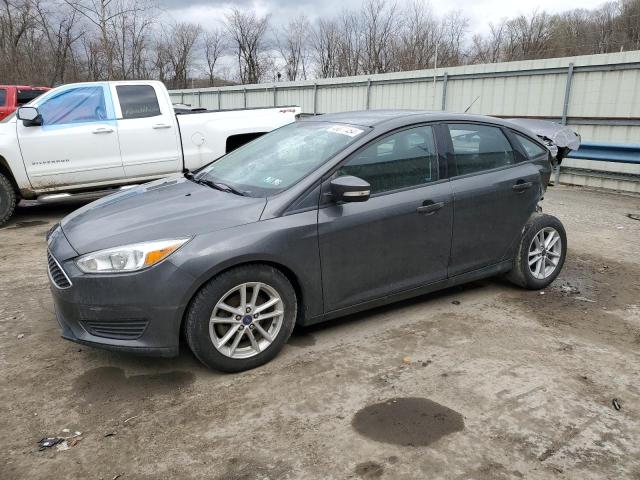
column 405, row 159
column 77, row 105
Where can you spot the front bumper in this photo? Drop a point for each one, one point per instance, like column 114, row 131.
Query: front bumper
column 134, row 312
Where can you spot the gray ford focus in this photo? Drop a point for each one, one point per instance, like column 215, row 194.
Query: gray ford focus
column 319, row 219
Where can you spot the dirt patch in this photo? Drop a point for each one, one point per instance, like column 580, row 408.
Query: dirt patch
column 301, row 338
column 107, row 384
column 369, row 470
column 407, row 421
column 27, row 224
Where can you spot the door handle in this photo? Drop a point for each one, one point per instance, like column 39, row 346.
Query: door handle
column 102, row 130
column 522, row 186
column 158, row 126
column 430, row 208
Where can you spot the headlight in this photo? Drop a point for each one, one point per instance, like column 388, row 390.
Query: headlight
column 129, row 258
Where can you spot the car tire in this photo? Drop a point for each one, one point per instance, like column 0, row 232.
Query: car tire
column 534, row 270
column 8, row 199
column 225, row 290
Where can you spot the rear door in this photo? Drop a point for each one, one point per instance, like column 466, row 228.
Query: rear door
column 147, row 128
column 398, row 239
column 495, row 190
column 77, row 142
column 4, row 100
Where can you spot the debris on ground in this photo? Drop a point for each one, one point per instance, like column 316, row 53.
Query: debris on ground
column 131, row 418
column 456, row 302
column 569, row 289
column 61, row 443
column 20, row 336
column 585, row 299
column 541, row 293
column 109, row 434
column 616, row 404
column 406, row 360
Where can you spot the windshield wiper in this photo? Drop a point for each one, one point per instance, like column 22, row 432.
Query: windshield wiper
column 223, row 187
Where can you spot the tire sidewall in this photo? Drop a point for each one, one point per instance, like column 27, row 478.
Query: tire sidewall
column 7, row 199
column 540, row 222
column 199, row 313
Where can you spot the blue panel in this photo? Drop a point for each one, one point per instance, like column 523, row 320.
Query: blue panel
column 608, row 152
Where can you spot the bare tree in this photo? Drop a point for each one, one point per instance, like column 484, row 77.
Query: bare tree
column 379, row 28
column 179, row 46
column 325, row 41
column 214, row 46
column 292, row 47
column 247, row 32
column 418, row 37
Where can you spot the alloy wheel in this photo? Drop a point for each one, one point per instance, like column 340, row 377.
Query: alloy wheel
column 545, row 252
column 246, row 320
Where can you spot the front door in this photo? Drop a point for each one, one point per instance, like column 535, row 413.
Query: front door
column 399, row 238
column 493, row 196
column 77, row 142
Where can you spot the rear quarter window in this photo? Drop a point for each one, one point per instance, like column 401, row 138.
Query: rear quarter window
column 25, row 96
column 3, row 97
column 532, row 148
column 138, row 101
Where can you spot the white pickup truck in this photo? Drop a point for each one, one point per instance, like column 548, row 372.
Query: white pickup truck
column 86, row 139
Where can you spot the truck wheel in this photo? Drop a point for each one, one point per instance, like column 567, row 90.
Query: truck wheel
column 8, row 199
column 242, row 318
column 541, row 253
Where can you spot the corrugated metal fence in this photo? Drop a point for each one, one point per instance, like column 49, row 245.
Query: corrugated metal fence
column 599, row 95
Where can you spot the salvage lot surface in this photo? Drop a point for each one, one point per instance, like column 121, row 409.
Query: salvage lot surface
column 485, row 381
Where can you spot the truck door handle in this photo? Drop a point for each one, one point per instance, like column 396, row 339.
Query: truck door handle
column 102, row 130
column 522, row 186
column 429, row 207
column 158, row 126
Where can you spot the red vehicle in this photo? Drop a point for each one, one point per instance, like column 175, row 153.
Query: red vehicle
column 14, row 96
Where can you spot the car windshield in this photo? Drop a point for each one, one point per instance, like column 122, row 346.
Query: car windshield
column 278, row 160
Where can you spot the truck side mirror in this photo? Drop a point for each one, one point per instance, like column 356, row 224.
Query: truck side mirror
column 29, row 116
column 350, row 189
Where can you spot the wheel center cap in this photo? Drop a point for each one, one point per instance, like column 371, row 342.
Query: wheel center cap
column 247, row 320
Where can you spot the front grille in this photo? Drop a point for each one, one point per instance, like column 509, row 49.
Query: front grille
column 57, row 275
column 121, row 329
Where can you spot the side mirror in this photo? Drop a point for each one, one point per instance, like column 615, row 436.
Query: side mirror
column 350, row 189
column 30, row 116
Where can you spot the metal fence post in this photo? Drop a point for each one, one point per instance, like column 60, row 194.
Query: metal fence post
column 219, row 94
column 275, row 96
column 244, row 93
column 368, row 92
column 198, row 93
column 315, row 98
column 182, row 98
column 444, row 91
column 567, row 94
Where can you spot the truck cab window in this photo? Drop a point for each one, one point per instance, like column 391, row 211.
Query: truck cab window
column 3, row 96
column 25, row 96
column 76, row 105
column 138, row 101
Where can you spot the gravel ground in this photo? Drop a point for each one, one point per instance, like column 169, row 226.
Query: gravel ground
column 485, row 381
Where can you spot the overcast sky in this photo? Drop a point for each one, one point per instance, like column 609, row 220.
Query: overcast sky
column 480, row 12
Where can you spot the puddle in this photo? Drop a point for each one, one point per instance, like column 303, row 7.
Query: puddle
column 369, row 470
column 407, row 421
column 104, row 384
column 27, row 224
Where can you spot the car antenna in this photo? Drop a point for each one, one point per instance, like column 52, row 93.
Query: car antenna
column 471, row 104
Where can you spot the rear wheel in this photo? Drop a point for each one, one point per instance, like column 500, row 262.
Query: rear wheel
column 8, row 199
column 242, row 318
column 541, row 253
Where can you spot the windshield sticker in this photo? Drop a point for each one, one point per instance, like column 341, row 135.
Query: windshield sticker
column 348, row 131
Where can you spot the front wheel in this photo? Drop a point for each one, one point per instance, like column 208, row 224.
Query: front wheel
column 242, row 318
column 8, row 199
column 541, row 253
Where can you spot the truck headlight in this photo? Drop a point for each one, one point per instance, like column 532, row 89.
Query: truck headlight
column 129, row 258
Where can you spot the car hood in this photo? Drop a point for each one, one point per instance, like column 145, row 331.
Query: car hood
column 168, row 208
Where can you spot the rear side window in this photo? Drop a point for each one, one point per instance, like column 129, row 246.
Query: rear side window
column 533, row 149
column 479, row 147
column 404, row 159
column 138, row 101
column 3, row 96
column 25, row 96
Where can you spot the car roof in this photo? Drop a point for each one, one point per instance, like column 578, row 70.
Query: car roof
column 372, row 118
